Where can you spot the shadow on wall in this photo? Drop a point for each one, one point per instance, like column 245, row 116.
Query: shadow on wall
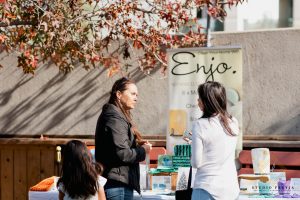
column 52, row 103
column 49, row 106
column 285, row 126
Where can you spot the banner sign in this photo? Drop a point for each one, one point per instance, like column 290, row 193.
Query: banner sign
column 189, row 67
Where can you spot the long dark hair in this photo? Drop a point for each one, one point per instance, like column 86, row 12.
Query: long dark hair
column 122, row 85
column 79, row 174
column 214, row 100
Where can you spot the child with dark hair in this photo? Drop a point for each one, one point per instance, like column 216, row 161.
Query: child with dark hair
column 214, row 141
column 80, row 177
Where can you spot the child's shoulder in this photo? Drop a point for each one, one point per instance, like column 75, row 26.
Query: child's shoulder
column 101, row 180
column 60, row 187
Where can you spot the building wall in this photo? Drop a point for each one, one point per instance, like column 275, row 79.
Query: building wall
column 271, row 79
column 296, row 14
column 51, row 103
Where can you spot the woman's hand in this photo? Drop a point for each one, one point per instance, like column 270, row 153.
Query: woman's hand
column 147, row 146
column 141, row 142
column 188, row 137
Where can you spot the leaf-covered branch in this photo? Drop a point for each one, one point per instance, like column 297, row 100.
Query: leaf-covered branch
column 69, row 32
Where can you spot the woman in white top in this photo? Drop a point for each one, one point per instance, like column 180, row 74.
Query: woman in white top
column 80, row 178
column 214, row 141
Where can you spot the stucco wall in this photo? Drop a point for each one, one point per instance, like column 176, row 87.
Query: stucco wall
column 56, row 104
column 51, row 103
column 271, row 80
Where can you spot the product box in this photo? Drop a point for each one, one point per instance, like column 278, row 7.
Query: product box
column 163, row 181
column 295, row 186
column 253, row 184
column 249, row 186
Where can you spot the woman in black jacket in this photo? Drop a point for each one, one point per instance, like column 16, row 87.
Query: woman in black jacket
column 119, row 146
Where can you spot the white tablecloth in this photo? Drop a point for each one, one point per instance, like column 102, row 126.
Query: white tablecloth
column 50, row 195
column 53, row 195
column 147, row 195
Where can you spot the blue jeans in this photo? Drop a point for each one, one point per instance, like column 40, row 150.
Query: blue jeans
column 200, row 194
column 119, row 193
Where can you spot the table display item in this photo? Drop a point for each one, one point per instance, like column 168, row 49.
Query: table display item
column 185, row 194
column 161, row 183
column 182, row 156
column 164, row 162
column 47, row 184
column 172, row 176
column 261, row 160
column 283, row 187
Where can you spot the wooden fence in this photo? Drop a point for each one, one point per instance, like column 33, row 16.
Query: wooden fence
column 24, row 162
column 24, row 165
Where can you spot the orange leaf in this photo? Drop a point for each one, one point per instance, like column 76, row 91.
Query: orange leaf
column 113, row 70
column 106, row 62
column 137, row 44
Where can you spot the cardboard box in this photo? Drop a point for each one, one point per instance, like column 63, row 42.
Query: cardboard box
column 173, row 176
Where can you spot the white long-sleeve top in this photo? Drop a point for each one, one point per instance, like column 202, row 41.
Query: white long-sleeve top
column 213, row 154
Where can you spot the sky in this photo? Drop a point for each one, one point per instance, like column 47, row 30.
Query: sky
column 255, row 10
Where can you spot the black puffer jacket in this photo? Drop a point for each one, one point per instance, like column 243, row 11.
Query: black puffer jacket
column 116, row 147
